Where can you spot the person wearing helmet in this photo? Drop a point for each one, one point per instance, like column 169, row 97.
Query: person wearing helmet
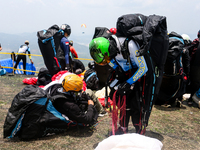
column 22, row 55
column 72, row 49
column 92, row 84
column 127, row 72
column 75, row 103
column 194, row 63
column 0, row 50
column 64, row 44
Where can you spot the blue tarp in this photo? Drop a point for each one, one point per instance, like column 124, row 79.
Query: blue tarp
column 9, row 63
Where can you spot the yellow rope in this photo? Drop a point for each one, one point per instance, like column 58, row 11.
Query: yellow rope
column 39, row 55
column 31, row 55
column 20, row 69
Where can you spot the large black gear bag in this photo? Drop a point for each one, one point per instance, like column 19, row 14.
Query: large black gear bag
column 49, row 44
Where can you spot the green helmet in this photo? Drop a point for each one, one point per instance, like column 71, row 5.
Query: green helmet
column 99, row 49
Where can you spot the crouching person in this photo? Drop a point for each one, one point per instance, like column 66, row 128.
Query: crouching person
column 75, row 104
column 36, row 112
column 92, row 85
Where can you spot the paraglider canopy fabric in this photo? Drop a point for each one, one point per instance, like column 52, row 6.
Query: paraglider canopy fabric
column 83, row 25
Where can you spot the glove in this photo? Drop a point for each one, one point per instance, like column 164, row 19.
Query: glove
column 86, row 96
column 124, row 88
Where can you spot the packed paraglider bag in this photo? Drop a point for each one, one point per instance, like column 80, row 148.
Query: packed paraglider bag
column 49, row 44
column 173, row 84
column 33, row 115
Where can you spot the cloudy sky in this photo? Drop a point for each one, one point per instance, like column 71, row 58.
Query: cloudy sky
column 19, row 16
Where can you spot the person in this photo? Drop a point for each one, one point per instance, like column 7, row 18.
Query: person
column 70, row 105
column 137, row 66
column 0, row 50
column 64, row 44
column 118, row 62
column 193, row 47
column 21, row 55
column 72, row 49
column 0, row 47
column 92, row 82
column 195, row 65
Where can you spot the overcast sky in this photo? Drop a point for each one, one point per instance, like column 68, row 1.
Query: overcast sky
column 19, row 16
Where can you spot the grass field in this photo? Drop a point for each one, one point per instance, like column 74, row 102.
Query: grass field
column 176, row 128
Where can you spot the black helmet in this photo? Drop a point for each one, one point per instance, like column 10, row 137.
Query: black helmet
column 91, row 79
column 66, row 28
column 71, row 42
column 91, row 65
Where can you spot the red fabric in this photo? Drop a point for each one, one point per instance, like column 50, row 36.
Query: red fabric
column 101, row 100
column 72, row 49
column 30, row 81
column 58, row 75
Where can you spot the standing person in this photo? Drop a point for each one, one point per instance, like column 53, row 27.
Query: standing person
column 126, row 76
column 138, row 66
column 21, row 55
column 72, row 49
column 0, row 50
column 64, row 44
column 0, row 47
column 193, row 47
column 194, row 51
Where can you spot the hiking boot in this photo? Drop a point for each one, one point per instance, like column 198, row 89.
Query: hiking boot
column 103, row 113
column 119, row 131
column 166, row 105
column 190, row 101
column 178, row 103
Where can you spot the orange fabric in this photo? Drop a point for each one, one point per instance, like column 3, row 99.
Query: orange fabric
column 72, row 49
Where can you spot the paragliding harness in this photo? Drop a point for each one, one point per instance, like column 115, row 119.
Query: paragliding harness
column 41, row 118
column 105, row 32
column 49, row 43
column 153, row 42
column 173, row 83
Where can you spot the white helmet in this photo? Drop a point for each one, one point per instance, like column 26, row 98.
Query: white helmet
column 186, row 39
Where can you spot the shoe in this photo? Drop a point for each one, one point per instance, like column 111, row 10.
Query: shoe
column 119, row 131
column 190, row 101
column 166, row 105
column 178, row 103
column 103, row 113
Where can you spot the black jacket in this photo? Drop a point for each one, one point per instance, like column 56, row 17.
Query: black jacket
column 70, row 106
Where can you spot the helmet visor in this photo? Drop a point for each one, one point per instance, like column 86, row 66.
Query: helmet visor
column 97, row 55
column 105, row 61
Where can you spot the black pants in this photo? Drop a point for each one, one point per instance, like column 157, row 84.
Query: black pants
column 19, row 58
column 133, row 108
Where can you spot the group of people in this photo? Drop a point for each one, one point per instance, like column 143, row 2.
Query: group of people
column 137, row 67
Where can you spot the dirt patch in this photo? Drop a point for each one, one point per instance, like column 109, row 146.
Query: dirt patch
column 176, row 128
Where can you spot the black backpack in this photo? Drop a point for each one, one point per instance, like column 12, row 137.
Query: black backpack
column 173, row 83
column 173, row 64
column 49, row 43
column 44, row 77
